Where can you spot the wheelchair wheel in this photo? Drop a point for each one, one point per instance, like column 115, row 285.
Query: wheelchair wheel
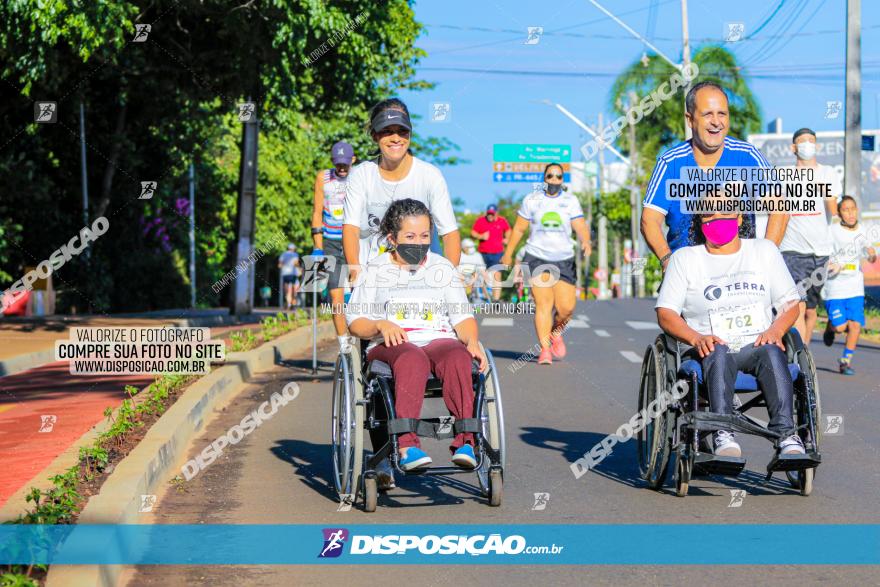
column 496, row 488
column 347, row 424
column 371, row 494
column 809, row 402
column 653, row 441
column 492, row 424
column 801, row 480
column 683, row 469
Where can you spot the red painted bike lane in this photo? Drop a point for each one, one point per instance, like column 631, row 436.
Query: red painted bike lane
column 44, row 411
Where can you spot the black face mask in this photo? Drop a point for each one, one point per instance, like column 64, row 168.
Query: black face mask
column 553, row 188
column 412, row 254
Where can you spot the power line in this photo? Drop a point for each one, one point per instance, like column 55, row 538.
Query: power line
column 768, row 19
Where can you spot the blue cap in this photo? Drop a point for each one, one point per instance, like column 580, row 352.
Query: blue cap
column 342, row 153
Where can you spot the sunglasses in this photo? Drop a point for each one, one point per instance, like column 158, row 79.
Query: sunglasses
column 553, row 175
column 387, row 132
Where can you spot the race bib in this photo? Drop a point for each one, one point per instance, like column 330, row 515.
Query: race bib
column 412, row 314
column 739, row 326
column 849, row 268
column 337, row 210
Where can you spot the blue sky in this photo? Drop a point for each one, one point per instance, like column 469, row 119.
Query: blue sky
column 794, row 65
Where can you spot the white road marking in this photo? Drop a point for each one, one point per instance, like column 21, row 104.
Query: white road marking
column 577, row 324
column 602, row 333
column 583, row 317
column 497, row 322
column 631, row 356
column 636, row 325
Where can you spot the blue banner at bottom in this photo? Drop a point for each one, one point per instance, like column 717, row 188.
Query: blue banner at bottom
column 586, row 544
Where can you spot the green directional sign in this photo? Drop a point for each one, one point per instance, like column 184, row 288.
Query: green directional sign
column 534, row 153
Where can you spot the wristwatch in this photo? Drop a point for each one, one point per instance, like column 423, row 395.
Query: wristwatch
column 317, row 230
column 665, row 257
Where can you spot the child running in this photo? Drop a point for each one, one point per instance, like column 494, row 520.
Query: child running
column 845, row 287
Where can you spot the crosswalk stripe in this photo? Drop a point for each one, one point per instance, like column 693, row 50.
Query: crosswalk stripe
column 602, row 333
column 497, row 322
column 578, row 324
column 631, row 356
column 637, row 325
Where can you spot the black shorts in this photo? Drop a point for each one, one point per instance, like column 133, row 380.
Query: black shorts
column 801, row 267
column 566, row 267
column 289, row 279
column 333, row 248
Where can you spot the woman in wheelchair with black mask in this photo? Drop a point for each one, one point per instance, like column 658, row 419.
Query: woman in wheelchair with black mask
column 411, row 304
column 719, row 298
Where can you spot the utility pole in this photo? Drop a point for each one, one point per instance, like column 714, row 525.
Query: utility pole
column 852, row 182
column 82, row 164
column 603, row 226
column 685, row 58
column 635, row 202
column 192, row 236
column 242, row 302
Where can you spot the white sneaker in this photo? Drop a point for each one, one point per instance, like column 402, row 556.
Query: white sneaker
column 792, row 445
column 726, row 445
column 385, row 476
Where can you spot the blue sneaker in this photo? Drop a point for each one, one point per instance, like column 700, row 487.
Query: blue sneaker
column 464, row 457
column 415, row 458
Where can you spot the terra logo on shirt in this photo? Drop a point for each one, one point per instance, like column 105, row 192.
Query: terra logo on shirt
column 714, row 292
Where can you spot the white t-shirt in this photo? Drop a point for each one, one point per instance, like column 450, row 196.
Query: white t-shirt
column 471, row 262
column 369, row 196
column 848, row 245
column 550, row 224
column 425, row 303
column 807, row 233
column 697, row 283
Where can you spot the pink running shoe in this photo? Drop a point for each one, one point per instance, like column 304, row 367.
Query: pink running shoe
column 557, row 347
column 545, row 358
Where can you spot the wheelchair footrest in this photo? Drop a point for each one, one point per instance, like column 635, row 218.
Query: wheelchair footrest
column 810, row 460
column 445, row 428
column 709, row 464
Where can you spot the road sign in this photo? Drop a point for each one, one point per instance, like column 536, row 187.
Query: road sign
column 532, row 153
column 529, row 177
column 525, row 167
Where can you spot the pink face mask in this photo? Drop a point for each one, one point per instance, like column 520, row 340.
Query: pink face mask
column 720, row 231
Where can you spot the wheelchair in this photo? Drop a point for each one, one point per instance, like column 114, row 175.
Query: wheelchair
column 682, row 428
column 363, row 400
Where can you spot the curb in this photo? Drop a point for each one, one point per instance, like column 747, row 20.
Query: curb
column 164, row 447
column 20, row 363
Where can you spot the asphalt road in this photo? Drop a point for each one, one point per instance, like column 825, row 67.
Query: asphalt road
column 281, row 473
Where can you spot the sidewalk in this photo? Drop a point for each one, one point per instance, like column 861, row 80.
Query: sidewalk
column 29, row 443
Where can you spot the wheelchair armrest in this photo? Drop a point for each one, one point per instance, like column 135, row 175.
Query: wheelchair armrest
column 793, row 343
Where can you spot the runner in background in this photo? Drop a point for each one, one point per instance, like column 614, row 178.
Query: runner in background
column 330, row 187
column 807, row 241
column 473, row 271
column 845, row 287
column 394, row 175
column 288, row 262
column 550, row 215
column 492, row 231
column 708, row 115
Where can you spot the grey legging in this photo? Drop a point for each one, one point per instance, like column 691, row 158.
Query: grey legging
column 767, row 363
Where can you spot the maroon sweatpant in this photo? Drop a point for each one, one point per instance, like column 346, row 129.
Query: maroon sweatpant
column 412, row 365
